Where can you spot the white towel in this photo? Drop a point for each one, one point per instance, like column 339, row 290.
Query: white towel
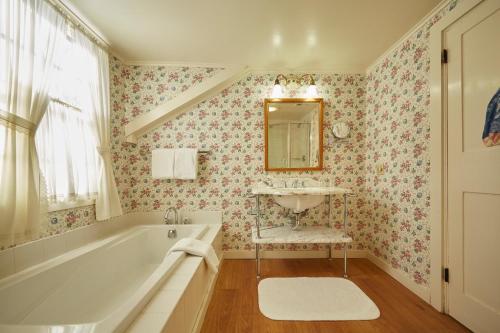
column 198, row 248
column 163, row 163
column 186, row 163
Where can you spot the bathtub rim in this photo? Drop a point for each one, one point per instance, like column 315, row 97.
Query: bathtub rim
column 74, row 253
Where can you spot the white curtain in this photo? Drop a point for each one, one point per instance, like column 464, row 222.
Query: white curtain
column 74, row 138
column 66, row 145
column 107, row 201
column 67, row 154
column 30, row 31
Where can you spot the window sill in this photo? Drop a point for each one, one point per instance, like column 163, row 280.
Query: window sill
column 53, row 207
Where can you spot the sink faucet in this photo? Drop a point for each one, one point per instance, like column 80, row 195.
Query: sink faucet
column 176, row 215
column 267, row 182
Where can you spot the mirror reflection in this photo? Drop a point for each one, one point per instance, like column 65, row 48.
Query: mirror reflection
column 293, row 134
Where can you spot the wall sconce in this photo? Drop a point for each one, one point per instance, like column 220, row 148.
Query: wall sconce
column 298, row 79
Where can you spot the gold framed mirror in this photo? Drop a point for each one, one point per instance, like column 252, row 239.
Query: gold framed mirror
column 293, row 134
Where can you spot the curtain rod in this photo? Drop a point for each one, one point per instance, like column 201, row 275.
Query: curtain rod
column 79, row 23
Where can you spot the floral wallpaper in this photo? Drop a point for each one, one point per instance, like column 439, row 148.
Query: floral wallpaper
column 58, row 222
column 68, row 219
column 397, row 141
column 385, row 159
column 230, row 125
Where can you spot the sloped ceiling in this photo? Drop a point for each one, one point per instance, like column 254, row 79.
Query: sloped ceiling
column 265, row 34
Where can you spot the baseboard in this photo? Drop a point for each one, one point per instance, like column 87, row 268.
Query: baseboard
column 421, row 291
column 283, row 254
column 239, row 254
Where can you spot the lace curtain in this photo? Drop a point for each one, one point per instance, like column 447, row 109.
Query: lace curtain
column 29, row 34
column 67, row 154
column 53, row 87
column 73, row 140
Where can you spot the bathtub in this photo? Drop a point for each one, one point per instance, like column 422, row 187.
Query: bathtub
column 100, row 287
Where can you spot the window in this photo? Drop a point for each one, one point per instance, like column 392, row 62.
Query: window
column 53, row 83
column 65, row 143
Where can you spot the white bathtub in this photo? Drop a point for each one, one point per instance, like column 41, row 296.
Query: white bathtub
column 100, row 287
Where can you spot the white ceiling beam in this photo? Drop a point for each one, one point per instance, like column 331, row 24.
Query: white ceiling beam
column 183, row 101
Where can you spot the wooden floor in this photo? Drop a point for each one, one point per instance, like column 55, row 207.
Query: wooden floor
column 234, row 305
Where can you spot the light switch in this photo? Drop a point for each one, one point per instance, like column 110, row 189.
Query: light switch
column 380, row 169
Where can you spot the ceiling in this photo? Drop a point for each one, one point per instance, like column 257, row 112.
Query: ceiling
column 319, row 35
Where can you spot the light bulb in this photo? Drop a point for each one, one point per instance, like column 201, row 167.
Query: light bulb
column 312, row 91
column 277, row 91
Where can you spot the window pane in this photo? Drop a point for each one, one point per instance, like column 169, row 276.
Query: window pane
column 76, row 69
column 65, row 143
column 67, row 154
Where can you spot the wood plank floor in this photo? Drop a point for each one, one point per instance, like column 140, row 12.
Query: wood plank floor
column 234, row 306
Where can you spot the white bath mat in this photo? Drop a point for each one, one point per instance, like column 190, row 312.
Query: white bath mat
column 314, row 299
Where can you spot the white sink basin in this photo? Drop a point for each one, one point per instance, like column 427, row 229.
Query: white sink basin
column 298, row 203
column 310, row 194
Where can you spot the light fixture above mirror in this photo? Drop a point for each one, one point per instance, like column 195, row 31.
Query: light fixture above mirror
column 282, row 81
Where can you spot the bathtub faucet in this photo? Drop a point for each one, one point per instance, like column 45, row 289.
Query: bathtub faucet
column 167, row 213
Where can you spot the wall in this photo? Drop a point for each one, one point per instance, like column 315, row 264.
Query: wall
column 230, row 124
column 58, row 222
column 64, row 220
column 398, row 139
column 389, row 216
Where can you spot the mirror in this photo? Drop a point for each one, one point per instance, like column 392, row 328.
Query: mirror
column 293, row 134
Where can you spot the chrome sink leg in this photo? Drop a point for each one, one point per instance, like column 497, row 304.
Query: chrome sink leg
column 345, row 260
column 345, row 235
column 257, row 259
column 297, row 222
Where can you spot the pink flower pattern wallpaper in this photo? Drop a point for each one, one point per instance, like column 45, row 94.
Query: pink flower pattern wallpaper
column 387, row 110
column 61, row 221
column 230, row 125
column 397, row 140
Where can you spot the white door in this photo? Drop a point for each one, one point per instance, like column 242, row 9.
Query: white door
column 473, row 70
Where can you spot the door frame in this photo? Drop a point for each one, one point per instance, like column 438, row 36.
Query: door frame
column 438, row 155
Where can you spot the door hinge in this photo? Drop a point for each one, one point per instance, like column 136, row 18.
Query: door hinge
column 444, row 56
column 446, row 274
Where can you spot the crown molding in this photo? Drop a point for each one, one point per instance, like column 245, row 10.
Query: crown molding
column 80, row 20
column 177, row 63
column 336, row 69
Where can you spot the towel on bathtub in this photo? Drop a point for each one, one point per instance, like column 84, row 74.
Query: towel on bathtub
column 198, row 248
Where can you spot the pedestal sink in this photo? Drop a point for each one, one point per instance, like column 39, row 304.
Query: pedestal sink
column 297, row 194
column 298, row 202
